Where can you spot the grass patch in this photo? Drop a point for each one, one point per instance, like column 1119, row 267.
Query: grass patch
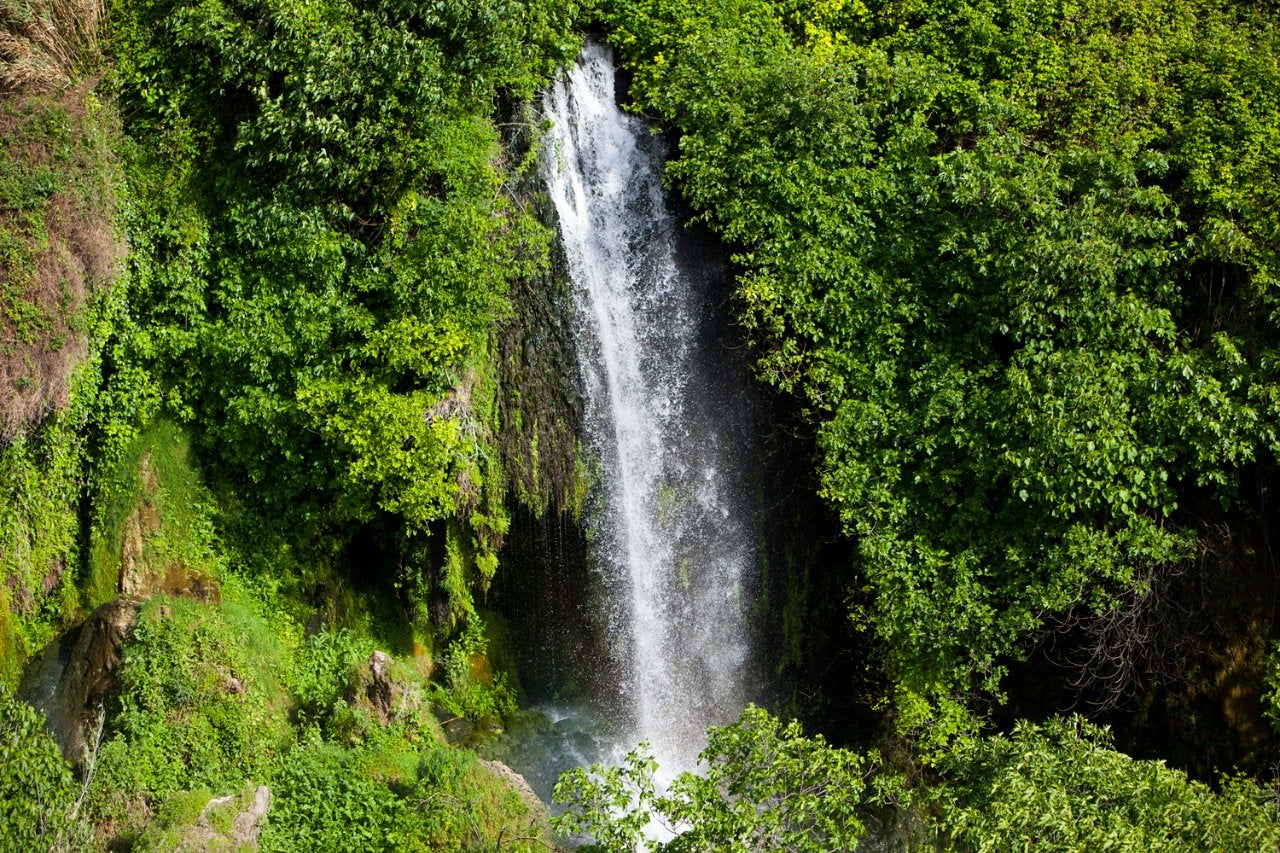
column 217, row 697
column 203, row 705
column 45, row 45
column 154, row 527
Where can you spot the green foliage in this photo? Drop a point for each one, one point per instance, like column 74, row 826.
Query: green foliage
column 200, row 704
column 390, row 794
column 36, row 789
column 175, row 816
column 217, row 698
column 324, row 242
column 1022, row 287
column 325, row 672
column 1271, row 695
column 766, row 787
column 40, row 480
column 321, row 803
column 1061, row 786
column 470, row 687
column 153, row 513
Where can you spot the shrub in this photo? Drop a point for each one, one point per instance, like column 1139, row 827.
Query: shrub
column 1061, row 786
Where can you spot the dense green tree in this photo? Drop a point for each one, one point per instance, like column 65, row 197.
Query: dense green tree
column 1061, row 786
column 37, row 792
column 1017, row 260
column 766, row 787
column 323, row 239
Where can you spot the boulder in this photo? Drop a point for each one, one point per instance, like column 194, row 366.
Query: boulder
column 205, row 836
column 248, row 823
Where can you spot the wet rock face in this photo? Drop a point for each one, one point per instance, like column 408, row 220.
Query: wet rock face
column 90, row 675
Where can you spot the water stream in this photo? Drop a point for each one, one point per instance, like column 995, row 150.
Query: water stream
column 673, row 523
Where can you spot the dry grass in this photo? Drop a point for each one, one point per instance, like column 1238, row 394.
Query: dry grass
column 47, row 45
column 36, row 364
column 59, row 254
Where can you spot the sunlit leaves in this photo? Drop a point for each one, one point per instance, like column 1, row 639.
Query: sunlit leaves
column 765, row 787
column 1061, row 786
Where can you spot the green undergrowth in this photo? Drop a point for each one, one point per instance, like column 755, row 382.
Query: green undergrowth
column 40, row 478
column 387, row 792
column 231, row 679
column 177, row 825
column 218, row 697
column 37, row 790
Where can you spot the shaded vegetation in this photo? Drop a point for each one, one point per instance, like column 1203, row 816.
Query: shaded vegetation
column 326, row 244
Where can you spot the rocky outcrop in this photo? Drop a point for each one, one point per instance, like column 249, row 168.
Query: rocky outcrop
column 90, row 675
column 376, row 689
column 138, row 577
column 537, row 808
column 540, row 402
column 205, row 836
column 381, row 690
column 143, row 571
column 248, row 823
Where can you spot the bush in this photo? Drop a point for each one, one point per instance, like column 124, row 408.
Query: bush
column 766, row 787
column 1061, row 786
column 389, row 793
column 37, row 792
column 324, row 673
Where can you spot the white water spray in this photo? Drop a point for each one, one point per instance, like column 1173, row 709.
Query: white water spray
column 674, row 525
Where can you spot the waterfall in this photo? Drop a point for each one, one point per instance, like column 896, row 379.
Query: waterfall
column 668, row 419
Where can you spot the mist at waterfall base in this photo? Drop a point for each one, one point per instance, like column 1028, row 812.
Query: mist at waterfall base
column 638, row 627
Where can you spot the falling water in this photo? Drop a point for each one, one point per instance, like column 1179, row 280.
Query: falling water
column 667, row 418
